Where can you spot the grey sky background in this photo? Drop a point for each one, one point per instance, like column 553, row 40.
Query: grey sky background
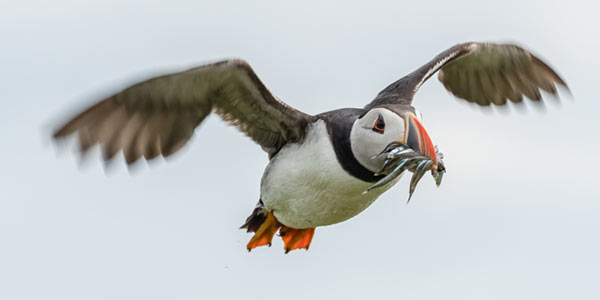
column 516, row 217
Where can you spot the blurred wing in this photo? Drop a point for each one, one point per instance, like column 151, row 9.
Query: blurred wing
column 483, row 73
column 158, row 116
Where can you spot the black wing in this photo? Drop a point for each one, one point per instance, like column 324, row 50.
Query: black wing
column 158, row 116
column 483, row 73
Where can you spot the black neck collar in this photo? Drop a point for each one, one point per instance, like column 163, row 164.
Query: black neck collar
column 339, row 124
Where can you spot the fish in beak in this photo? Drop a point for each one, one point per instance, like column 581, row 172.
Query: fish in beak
column 415, row 152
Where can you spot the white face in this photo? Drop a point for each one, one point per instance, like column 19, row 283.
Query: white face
column 372, row 133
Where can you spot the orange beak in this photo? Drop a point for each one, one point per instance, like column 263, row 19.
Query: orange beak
column 418, row 139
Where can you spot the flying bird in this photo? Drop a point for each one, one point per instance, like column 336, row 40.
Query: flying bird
column 323, row 169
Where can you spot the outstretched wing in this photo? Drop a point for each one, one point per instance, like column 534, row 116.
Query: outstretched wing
column 483, row 73
column 158, row 116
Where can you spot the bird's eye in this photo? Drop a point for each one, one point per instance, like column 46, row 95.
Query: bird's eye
column 379, row 125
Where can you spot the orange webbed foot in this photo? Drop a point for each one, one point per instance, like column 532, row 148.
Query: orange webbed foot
column 296, row 238
column 264, row 234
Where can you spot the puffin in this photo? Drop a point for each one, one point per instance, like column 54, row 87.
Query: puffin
column 319, row 165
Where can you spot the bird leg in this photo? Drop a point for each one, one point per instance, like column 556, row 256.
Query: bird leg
column 264, row 234
column 296, row 238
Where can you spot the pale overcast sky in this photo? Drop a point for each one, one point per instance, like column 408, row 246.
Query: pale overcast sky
column 517, row 216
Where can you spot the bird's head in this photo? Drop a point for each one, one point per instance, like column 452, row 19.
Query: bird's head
column 374, row 130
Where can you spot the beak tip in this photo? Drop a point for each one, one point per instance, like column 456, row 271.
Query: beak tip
column 420, row 140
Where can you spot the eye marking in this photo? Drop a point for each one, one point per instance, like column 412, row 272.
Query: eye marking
column 379, row 125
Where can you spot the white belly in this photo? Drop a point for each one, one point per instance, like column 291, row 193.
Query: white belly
column 305, row 186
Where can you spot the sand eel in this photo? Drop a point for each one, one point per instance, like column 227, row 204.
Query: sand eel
column 319, row 165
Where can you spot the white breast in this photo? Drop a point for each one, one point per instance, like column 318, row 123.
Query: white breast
column 305, row 186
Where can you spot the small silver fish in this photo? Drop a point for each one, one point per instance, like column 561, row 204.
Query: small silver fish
column 394, row 146
column 422, row 167
column 400, row 157
column 392, row 149
column 400, row 152
column 394, row 159
column 395, row 173
column 438, row 178
column 439, row 173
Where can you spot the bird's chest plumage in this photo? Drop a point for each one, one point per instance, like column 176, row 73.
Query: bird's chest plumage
column 305, row 185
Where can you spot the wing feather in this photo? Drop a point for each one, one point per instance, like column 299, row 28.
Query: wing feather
column 158, row 116
column 483, row 73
